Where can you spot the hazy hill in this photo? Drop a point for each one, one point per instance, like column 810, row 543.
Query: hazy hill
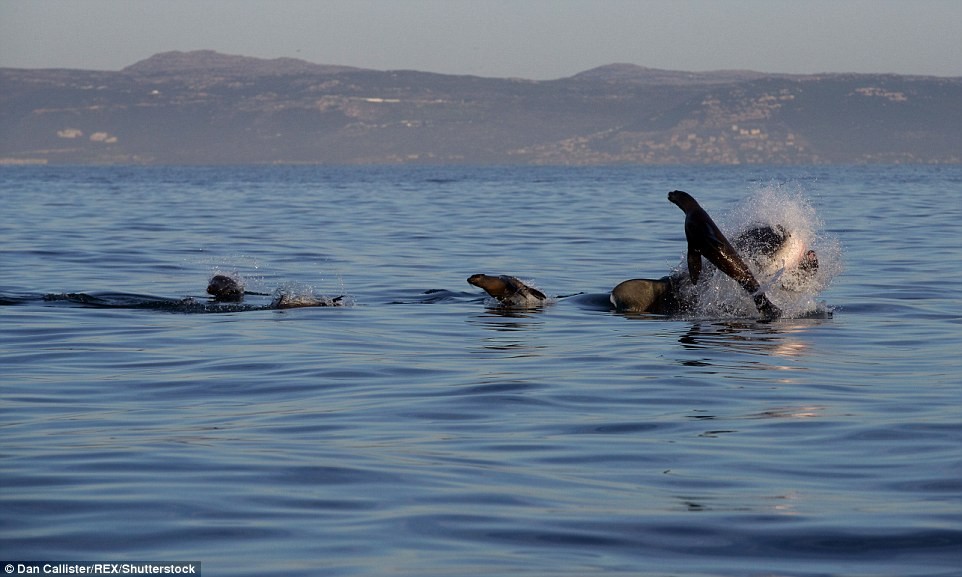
column 210, row 62
column 204, row 107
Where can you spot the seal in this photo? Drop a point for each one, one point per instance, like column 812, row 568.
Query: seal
column 642, row 295
column 706, row 239
column 508, row 290
column 286, row 301
column 225, row 289
column 775, row 250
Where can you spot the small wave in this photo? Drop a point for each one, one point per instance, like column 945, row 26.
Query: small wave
column 187, row 305
column 9, row 299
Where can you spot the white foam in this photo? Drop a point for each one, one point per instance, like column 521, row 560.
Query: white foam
column 295, row 294
column 792, row 290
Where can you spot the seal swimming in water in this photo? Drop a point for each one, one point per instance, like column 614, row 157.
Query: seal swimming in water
column 771, row 248
column 508, row 290
column 285, row 301
column 706, row 239
column 643, row 295
column 225, row 288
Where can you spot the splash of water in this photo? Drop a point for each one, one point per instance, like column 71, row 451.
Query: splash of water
column 788, row 287
column 297, row 294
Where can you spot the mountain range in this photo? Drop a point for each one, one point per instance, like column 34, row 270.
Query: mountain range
column 204, row 107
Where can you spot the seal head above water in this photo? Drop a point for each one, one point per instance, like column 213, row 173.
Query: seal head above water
column 706, row 239
column 225, row 288
column 508, row 290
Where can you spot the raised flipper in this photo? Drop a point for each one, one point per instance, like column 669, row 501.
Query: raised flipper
column 694, row 265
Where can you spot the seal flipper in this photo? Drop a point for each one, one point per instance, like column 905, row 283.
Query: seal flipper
column 694, row 264
column 515, row 287
column 766, row 307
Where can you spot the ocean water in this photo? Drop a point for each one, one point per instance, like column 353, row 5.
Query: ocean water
column 422, row 430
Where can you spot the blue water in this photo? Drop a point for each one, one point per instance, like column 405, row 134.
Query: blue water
column 414, row 433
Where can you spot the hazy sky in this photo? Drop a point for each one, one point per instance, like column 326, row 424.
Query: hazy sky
column 536, row 39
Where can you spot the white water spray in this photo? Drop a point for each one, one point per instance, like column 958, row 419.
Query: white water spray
column 792, row 288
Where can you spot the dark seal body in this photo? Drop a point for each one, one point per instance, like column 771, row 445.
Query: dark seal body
column 225, row 288
column 642, row 295
column 706, row 239
column 508, row 290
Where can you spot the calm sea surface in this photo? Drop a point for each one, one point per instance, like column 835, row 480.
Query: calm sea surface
column 429, row 433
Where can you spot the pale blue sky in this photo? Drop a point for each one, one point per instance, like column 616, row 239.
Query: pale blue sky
column 536, row 39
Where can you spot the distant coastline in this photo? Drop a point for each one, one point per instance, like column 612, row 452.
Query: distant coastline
column 204, row 107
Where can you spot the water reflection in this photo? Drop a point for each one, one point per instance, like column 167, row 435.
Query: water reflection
column 512, row 312
column 800, row 412
column 780, row 339
column 508, row 319
column 777, row 504
column 509, row 331
column 786, row 412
